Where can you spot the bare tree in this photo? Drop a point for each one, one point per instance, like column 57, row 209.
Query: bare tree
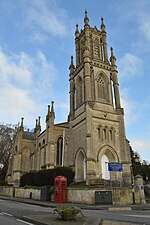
column 6, row 138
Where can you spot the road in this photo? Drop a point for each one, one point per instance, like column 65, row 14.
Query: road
column 138, row 217
column 11, row 213
column 8, row 219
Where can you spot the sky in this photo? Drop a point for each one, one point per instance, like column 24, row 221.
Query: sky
column 37, row 41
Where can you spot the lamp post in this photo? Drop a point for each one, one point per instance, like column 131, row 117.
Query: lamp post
column 132, row 185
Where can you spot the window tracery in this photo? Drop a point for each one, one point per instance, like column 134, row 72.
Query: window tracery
column 106, row 133
column 102, row 88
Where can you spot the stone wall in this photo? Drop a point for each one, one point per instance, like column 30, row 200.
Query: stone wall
column 123, row 196
column 85, row 196
column 20, row 192
column 6, row 191
column 28, row 193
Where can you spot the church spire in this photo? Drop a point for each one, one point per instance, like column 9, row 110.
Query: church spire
column 71, row 68
column 115, row 79
column 71, row 64
column 39, row 123
column 86, row 59
column 77, row 31
column 21, row 126
column 22, row 121
column 36, row 125
column 52, row 110
column 112, row 57
column 103, row 27
column 48, row 113
column 86, row 19
column 77, row 46
column 37, row 129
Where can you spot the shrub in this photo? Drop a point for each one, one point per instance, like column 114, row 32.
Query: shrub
column 27, row 179
column 46, row 177
column 31, row 187
column 68, row 213
column 79, row 185
column 63, row 171
column 3, row 182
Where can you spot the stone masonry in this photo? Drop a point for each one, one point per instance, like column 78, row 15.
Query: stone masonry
column 94, row 134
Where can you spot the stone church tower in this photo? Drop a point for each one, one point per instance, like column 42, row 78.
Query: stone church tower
column 94, row 134
column 96, row 118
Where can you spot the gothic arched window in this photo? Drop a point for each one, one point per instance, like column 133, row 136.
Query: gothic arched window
column 102, row 88
column 81, row 48
column 44, row 158
column 104, row 134
column 111, row 135
column 96, row 48
column 101, row 49
column 78, row 91
column 59, row 151
column 99, row 135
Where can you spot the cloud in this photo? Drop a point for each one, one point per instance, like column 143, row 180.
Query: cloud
column 130, row 66
column 130, row 107
column 62, row 109
column 144, row 26
column 15, row 103
column 142, row 16
column 45, row 77
column 27, row 84
column 142, row 147
column 15, row 67
column 39, row 37
column 135, row 109
column 137, row 13
column 46, row 18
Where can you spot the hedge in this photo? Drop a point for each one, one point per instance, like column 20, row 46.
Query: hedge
column 46, row 177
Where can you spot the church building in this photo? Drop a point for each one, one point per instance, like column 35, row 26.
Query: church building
column 94, row 134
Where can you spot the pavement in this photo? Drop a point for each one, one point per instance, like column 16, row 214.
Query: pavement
column 50, row 219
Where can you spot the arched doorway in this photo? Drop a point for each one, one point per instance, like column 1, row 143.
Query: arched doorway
column 80, row 165
column 105, row 172
column 105, row 155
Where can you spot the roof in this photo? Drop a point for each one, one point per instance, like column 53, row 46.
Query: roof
column 28, row 135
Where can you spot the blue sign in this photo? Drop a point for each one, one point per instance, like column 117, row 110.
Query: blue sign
column 115, row 167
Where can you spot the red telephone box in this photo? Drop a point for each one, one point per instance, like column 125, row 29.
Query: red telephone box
column 60, row 189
